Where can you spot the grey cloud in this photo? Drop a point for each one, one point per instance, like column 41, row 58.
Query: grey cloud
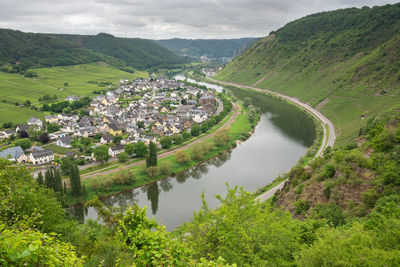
column 157, row 19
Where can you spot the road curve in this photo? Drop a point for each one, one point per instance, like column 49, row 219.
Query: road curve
column 166, row 153
column 328, row 139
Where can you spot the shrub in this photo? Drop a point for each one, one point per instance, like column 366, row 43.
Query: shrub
column 331, row 212
column 165, row 167
column 182, row 157
column 123, row 157
column 302, row 206
column 152, row 171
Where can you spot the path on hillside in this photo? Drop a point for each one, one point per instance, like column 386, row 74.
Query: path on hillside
column 328, row 138
column 166, row 153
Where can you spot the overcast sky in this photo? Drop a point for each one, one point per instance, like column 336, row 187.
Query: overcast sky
column 161, row 19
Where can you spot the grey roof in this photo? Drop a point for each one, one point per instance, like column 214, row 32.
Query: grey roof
column 42, row 153
column 23, row 127
column 66, row 140
column 117, row 147
column 14, row 152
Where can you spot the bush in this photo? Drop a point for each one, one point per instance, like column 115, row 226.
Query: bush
column 123, row 157
column 331, row 212
column 152, row 171
column 182, row 157
column 302, row 206
column 165, row 168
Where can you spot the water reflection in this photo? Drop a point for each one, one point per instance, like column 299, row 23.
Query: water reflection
column 152, row 195
column 279, row 140
column 286, row 118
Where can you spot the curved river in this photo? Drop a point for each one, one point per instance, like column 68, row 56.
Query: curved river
column 280, row 139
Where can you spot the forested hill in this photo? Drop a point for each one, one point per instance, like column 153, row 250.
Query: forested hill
column 344, row 62
column 213, row 48
column 136, row 52
column 19, row 51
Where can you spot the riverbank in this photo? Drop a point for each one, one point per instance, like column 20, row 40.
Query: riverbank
column 328, row 137
column 109, row 183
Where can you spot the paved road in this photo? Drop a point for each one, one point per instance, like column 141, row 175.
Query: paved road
column 328, row 139
column 167, row 153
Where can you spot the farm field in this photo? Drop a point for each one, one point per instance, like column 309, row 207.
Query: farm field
column 82, row 80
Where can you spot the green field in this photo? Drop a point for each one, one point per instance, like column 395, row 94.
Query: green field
column 81, row 79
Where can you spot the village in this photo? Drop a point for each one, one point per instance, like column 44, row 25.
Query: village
column 142, row 110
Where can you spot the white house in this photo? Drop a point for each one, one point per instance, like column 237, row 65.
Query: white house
column 64, row 141
column 115, row 150
column 41, row 156
column 35, row 122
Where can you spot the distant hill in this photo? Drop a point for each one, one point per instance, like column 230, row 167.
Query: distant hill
column 344, row 62
column 136, row 52
column 212, row 48
column 19, row 51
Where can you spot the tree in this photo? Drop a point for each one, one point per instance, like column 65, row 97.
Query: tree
column 222, row 138
column 40, row 178
column 66, row 84
column 49, row 178
column 23, row 134
column 65, row 188
column 198, row 152
column 195, row 130
column 57, row 181
column 44, row 138
column 186, row 135
column 66, row 163
column 27, row 103
column 140, row 124
column 151, row 159
column 165, row 167
column 182, row 156
column 140, row 149
column 129, row 149
column 123, row 157
column 152, row 171
column 117, row 139
column 247, row 102
column 166, row 142
column 177, row 139
column 52, row 127
column 101, row 154
column 75, row 180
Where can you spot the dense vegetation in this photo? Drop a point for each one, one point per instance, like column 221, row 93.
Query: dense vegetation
column 213, row 48
column 20, row 51
column 135, row 52
column 242, row 231
column 344, row 62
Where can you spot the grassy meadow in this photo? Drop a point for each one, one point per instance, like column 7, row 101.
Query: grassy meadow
column 82, row 81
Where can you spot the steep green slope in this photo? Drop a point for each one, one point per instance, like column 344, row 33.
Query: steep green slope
column 19, row 51
column 213, row 48
column 138, row 53
column 344, row 62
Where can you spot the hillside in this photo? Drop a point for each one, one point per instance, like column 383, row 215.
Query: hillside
column 345, row 63
column 136, row 52
column 213, row 48
column 20, row 51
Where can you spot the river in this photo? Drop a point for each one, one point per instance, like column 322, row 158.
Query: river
column 279, row 140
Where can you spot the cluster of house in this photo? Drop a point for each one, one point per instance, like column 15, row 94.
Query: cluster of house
column 210, row 72
column 161, row 106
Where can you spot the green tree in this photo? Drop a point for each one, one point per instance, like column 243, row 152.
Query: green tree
column 75, row 180
column 24, row 143
column 49, row 178
column 182, row 156
column 177, row 139
column 166, row 142
column 40, row 178
column 247, row 101
column 148, row 242
column 117, row 139
column 222, row 138
column 52, row 127
column 66, row 163
column 101, row 154
column 57, row 181
column 151, row 159
column 141, row 149
column 129, row 149
column 123, row 157
column 195, row 130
